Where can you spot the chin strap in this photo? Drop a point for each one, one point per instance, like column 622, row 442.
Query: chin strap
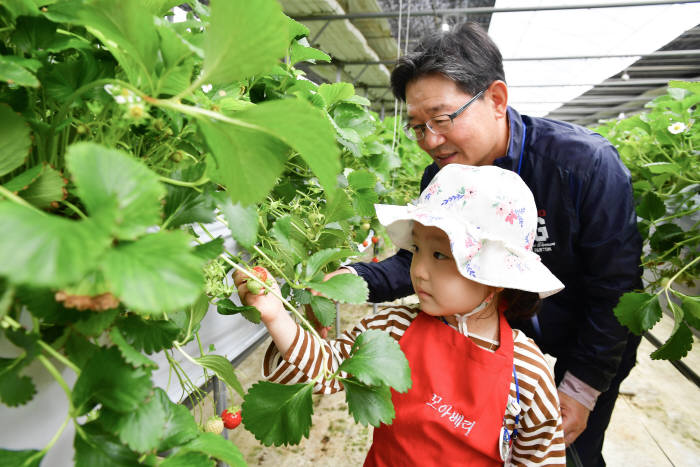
column 462, row 319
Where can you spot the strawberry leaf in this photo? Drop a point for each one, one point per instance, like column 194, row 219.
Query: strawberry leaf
column 376, row 359
column 243, row 39
column 223, row 370
column 368, row 404
column 93, row 324
column 227, row 307
column 188, row 459
column 130, row 354
column 319, row 259
column 324, row 309
column 217, row 447
column 242, row 221
column 119, row 191
column 107, row 379
column 638, row 311
column 344, row 288
column 677, row 346
column 691, row 311
column 16, row 390
column 278, row 414
column 142, row 428
column 209, row 250
column 9, row 457
column 44, row 250
column 15, row 138
column 101, row 449
column 47, row 188
column 148, row 335
column 155, row 274
column 651, row 206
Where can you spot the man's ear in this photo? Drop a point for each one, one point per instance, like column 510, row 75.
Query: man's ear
column 498, row 93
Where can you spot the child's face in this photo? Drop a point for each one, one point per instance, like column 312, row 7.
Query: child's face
column 441, row 289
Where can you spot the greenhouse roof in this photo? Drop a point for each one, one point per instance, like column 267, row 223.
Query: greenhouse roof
column 573, row 60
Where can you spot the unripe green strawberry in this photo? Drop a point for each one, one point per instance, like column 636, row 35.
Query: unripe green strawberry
column 214, row 425
column 255, row 287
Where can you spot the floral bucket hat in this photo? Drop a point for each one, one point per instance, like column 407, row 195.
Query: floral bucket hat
column 490, row 217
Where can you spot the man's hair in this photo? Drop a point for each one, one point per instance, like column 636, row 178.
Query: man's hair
column 466, row 55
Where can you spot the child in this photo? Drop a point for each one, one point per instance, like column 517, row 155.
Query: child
column 482, row 393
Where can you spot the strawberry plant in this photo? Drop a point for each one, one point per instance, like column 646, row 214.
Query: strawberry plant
column 120, row 132
column 661, row 147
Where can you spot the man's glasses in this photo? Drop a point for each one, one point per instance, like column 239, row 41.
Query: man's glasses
column 440, row 124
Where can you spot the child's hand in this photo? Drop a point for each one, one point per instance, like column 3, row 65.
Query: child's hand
column 254, row 294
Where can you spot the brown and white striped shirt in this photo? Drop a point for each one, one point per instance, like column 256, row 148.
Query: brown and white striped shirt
column 540, row 439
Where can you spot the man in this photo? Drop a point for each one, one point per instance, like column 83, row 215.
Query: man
column 457, row 101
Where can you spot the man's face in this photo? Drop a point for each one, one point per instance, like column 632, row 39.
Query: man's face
column 477, row 137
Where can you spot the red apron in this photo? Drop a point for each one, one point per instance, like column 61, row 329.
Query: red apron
column 453, row 413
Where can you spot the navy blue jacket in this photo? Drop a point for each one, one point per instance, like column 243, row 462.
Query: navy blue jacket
column 587, row 236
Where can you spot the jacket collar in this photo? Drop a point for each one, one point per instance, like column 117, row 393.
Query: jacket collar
column 512, row 158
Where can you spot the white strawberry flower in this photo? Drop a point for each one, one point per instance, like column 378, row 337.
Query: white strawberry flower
column 677, row 127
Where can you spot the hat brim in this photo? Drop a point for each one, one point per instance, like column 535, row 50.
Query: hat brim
column 478, row 257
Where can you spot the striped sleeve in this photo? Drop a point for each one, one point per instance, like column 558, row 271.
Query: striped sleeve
column 540, row 439
column 305, row 357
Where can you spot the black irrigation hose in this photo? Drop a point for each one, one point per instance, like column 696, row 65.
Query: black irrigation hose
column 680, row 366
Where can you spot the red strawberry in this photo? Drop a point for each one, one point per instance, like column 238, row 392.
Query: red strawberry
column 253, row 286
column 214, row 425
column 365, row 243
column 231, row 417
column 375, row 239
column 375, row 260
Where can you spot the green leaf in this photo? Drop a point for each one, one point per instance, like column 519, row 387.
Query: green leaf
column 319, row 259
column 12, row 72
column 196, row 312
column 107, row 379
column 638, row 311
column 369, row 405
column 142, row 428
column 101, row 449
column 20, row 458
column 376, row 359
column 150, row 335
column 651, row 206
column 130, row 354
column 666, row 237
column 336, row 92
column 46, row 189
column 155, row 274
column 278, row 414
column 242, row 221
column 301, row 53
column 284, row 233
column 107, row 177
column 44, row 250
column 210, row 250
column 338, row 207
column 23, row 180
column 223, row 369
column 21, row 7
column 178, row 426
column 344, row 288
column 324, row 310
column 93, row 324
column 16, row 390
column 296, row 29
column 247, row 162
column 217, row 447
column 178, row 63
column 188, row 459
column 363, row 183
column 127, row 30
column 15, row 139
column 691, row 311
column 243, row 39
column 227, row 307
column 677, row 346
column 304, row 128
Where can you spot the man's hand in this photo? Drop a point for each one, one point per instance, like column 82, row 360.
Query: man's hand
column 574, row 417
column 322, row 330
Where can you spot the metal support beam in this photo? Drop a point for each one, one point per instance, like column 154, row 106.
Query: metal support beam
column 658, row 54
column 484, row 10
column 357, row 78
column 320, row 31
